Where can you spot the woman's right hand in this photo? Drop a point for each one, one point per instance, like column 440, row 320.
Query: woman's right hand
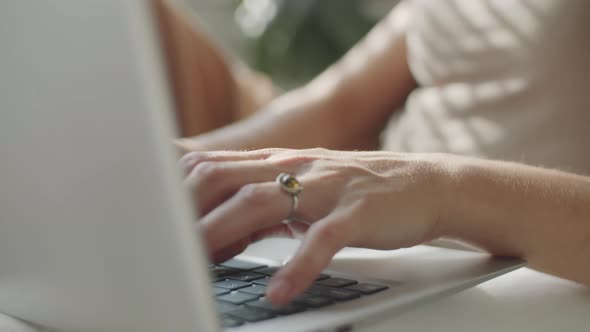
column 380, row 200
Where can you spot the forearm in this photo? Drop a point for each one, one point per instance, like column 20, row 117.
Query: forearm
column 344, row 108
column 540, row 215
column 374, row 79
column 298, row 119
column 203, row 87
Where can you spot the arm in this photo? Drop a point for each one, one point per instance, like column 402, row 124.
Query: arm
column 344, row 108
column 203, row 87
column 386, row 200
column 540, row 215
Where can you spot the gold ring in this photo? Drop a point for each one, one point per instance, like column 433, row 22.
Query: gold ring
column 293, row 187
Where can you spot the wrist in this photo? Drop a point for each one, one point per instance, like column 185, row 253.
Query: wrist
column 472, row 206
column 450, row 177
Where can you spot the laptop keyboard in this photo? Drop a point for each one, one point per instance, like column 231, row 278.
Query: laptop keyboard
column 239, row 287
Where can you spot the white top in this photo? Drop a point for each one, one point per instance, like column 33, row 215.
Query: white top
column 504, row 79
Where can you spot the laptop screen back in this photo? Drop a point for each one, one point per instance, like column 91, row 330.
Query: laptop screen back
column 95, row 232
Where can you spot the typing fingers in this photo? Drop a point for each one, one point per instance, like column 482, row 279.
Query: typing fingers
column 321, row 242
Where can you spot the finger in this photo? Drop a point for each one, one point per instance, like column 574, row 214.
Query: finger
column 254, row 207
column 188, row 161
column 214, row 182
column 322, row 241
column 230, row 251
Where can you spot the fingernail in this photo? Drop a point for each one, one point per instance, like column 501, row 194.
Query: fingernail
column 279, row 289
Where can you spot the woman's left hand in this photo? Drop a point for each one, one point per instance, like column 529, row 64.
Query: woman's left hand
column 380, row 200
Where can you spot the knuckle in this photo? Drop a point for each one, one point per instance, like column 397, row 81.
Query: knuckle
column 293, row 161
column 206, row 172
column 192, row 159
column 253, row 194
column 318, row 151
column 269, row 152
column 188, row 161
column 356, row 170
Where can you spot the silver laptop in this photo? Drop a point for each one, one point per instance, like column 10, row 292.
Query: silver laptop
column 96, row 230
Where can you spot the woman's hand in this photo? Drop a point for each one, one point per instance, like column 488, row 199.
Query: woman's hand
column 380, row 200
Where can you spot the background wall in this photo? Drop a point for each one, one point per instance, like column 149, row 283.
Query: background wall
column 291, row 40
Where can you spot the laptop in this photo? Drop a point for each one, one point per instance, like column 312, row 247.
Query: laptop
column 96, row 230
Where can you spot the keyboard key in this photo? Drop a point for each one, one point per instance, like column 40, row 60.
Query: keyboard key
column 339, row 294
column 250, row 314
column 241, row 287
column 367, row 289
column 219, row 272
column 336, row 294
column 254, row 289
column 316, row 290
column 336, row 282
column 220, row 291
column 242, row 265
column 322, row 277
column 289, row 309
column 229, row 321
column 246, row 276
column 264, row 281
column 261, row 304
column 238, row 298
column 225, row 307
column 271, row 270
column 313, row 301
column 231, row 284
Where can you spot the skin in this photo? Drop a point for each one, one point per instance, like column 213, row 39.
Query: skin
column 387, row 200
column 198, row 72
column 349, row 198
column 345, row 107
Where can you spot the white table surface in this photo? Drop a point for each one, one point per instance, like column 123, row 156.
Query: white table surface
column 523, row 300
column 9, row 324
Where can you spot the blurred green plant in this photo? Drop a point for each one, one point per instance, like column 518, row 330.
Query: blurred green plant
column 294, row 40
